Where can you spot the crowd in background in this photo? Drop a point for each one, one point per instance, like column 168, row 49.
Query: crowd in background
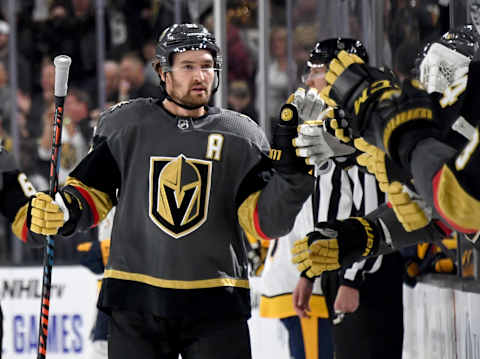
column 47, row 28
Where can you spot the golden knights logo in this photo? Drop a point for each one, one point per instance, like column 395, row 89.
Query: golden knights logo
column 179, row 190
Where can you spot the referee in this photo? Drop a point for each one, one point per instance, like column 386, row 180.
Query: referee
column 364, row 301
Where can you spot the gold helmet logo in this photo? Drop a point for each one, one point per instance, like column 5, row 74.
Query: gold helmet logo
column 179, row 191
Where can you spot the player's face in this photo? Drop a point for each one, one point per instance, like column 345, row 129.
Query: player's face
column 191, row 78
column 316, row 77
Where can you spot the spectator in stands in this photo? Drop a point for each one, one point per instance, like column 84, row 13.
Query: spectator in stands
column 72, row 32
column 132, row 79
column 43, row 100
column 112, row 80
column 277, row 71
column 148, row 53
column 23, row 67
column 404, row 60
column 240, row 99
column 75, row 135
column 240, row 65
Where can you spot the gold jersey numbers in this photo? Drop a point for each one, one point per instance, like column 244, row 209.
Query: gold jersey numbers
column 451, row 93
column 467, row 152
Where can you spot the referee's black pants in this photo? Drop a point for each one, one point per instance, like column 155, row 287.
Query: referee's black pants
column 375, row 329
column 138, row 335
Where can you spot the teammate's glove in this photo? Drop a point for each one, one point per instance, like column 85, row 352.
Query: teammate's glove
column 308, row 104
column 335, row 244
column 256, row 254
column 380, row 165
column 382, row 111
column 349, row 80
column 316, row 145
column 410, row 210
column 300, row 106
column 256, row 258
column 337, row 124
column 47, row 216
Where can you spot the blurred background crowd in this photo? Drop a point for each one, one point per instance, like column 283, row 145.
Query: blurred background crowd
column 42, row 29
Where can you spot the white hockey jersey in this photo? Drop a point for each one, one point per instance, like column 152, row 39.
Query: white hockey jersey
column 280, row 275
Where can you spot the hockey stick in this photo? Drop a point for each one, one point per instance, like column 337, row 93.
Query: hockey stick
column 62, row 65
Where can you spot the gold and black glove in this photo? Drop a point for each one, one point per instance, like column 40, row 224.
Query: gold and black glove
column 47, row 216
column 337, row 124
column 335, row 244
column 256, row 255
column 393, row 119
column 410, row 210
column 301, row 106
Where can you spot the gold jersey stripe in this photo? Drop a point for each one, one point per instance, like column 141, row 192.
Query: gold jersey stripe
column 281, row 306
column 247, row 217
column 310, row 337
column 460, row 209
column 177, row 284
column 420, row 113
column 19, row 223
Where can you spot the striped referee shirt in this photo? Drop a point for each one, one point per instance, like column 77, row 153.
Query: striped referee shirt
column 345, row 193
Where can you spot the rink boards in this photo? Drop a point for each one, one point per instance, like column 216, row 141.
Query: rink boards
column 439, row 322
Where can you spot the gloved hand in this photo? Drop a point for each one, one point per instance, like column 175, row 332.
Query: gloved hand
column 46, row 215
column 351, row 83
column 256, row 255
column 335, row 244
column 308, row 104
column 316, row 145
column 410, row 209
column 300, row 105
column 383, row 114
column 381, row 166
column 336, row 123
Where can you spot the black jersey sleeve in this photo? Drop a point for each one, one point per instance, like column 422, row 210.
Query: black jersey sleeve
column 269, row 202
column 14, row 195
column 448, row 180
column 93, row 183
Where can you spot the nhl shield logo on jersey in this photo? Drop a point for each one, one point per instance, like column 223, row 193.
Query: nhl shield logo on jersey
column 179, row 190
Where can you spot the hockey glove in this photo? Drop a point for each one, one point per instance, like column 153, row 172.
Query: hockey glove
column 337, row 124
column 308, row 104
column 352, row 84
column 256, row 255
column 335, row 244
column 410, row 210
column 300, row 105
column 316, row 145
column 382, row 111
column 380, row 165
column 48, row 217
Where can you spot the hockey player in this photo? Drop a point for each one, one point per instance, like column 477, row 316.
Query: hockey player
column 188, row 177
column 372, row 289
column 309, row 336
column 15, row 190
column 448, row 74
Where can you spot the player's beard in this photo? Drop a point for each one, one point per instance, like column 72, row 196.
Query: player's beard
column 189, row 99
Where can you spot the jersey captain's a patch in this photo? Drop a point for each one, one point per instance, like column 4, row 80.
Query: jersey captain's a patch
column 179, row 191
